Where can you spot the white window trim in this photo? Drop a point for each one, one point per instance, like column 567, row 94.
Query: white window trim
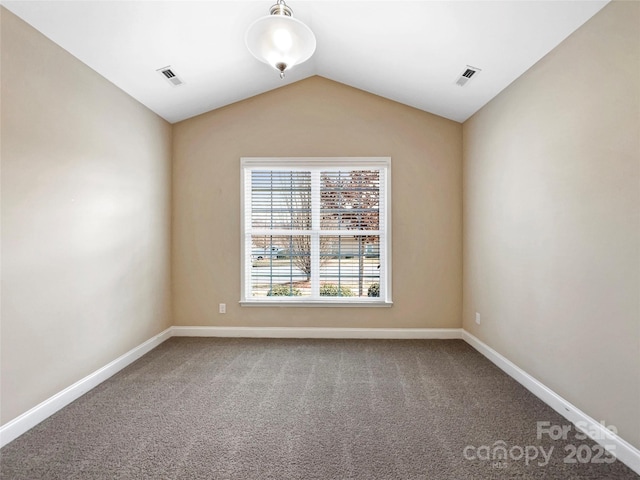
column 302, row 163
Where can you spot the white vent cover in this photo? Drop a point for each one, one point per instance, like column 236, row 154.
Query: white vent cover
column 170, row 76
column 468, row 73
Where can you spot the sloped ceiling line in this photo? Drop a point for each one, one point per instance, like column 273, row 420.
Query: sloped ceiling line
column 408, row 51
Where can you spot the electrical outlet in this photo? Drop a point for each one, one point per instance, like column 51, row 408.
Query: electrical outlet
column 477, row 318
column 222, row 308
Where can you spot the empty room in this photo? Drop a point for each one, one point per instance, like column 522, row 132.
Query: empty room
column 320, row 240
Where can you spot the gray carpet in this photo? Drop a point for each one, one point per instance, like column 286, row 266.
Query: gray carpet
column 203, row 408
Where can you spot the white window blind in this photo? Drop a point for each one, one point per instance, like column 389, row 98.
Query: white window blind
column 316, row 231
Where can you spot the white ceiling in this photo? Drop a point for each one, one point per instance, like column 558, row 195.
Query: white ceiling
column 408, row 51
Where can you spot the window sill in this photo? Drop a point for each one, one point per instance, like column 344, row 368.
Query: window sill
column 314, row 303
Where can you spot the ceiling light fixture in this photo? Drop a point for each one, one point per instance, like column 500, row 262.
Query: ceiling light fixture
column 280, row 40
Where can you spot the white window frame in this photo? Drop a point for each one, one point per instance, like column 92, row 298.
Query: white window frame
column 317, row 164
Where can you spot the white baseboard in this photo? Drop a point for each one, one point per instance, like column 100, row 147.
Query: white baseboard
column 317, row 332
column 37, row 414
column 19, row 425
column 624, row 451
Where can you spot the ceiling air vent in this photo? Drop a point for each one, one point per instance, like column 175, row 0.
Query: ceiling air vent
column 170, row 75
column 468, row 73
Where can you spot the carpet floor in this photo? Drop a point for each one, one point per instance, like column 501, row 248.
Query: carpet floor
column 223, row 408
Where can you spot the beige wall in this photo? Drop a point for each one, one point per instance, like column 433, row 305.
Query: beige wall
column 86, row 176
column 318, row 117
column 552, row 220
column 551, row 215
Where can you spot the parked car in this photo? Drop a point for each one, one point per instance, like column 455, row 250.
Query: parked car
column 262, row 253
column 372, row 251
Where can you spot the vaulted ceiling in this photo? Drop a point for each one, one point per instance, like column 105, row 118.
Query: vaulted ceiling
column 412, row 52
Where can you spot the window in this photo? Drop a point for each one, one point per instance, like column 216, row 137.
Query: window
column 316, row 231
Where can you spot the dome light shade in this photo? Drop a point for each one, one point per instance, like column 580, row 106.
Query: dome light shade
column 280, row 40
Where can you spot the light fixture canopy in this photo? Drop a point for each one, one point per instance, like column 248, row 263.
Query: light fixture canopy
column 280, row 40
